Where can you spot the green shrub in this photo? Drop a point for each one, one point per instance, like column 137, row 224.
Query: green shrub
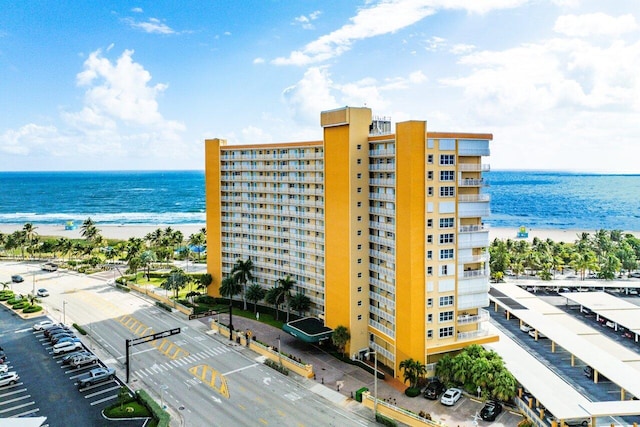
column 206, row 299
column 14, row 301
column 164, row 306
column 6, row 297
column 158, row 413
column 32, row 309
column 123, row 287
column 139, row 410
column 278, row 367
column 412, row 391
column 79, row 329
column 20, row 305
column 385, row 421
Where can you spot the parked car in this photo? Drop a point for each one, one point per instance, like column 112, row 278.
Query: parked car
column 67, row 358
column 72, row 338
column 490, row 410
column 8, row 378
column 42, row 325
column 433, row 390
column 82, row 360
column 16, row 278
column 96, row 376
column 532, row 334
column 635, row 274
column 49, row 266
column 53, row 326
column 55, row 339
column 525, row 328
column 42, row 292
column 451, row 396
column 65, row 347
column 56, row 330
column 4, row 368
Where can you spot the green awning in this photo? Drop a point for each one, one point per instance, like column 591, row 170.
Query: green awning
column 308, row 329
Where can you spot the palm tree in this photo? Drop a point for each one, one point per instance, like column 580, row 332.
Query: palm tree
column 134, row 247
column 198, row 240
column 300, row 303
column 205, row 281
column 88, row 230
column 285, row 285
column 229, row 288
column 444, row 369
column 177, row 280
column 255, row 293
column 413, row 371
column 29, row 234
column 242, row 272
column 340, row 337
column 146, row 259
column 134, row 264
column 275, row 298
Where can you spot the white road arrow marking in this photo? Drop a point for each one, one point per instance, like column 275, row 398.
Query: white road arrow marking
column 267, row 380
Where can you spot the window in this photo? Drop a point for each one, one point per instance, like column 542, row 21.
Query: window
column 444, row 270
column 446, row 222
column 359, row 218
column 359, row 204
column 359, row 260
column 429, row 302
column 429, row 254
column 446, row 254
column 446, row 238
column 359, row 175
column 430, row 175
column 446, row 175
column 447, row 191
column 360, row 304
column 445, row 316
column 429, row 191
column 359, row 147
column 430, row 334
column 359, row 189
column 429, row 318
column 447, row 159
column 360, row 247
column 446, row 301
column 446, row 332
column 430, row 159
column 429, row 238
column 359, row 275
column 430, row 223
column 359, row 288
column 359, row 316
column 429, row 271
column 359, row 161
column 359, row 233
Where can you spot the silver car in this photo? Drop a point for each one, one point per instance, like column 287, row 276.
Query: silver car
column 8, row 378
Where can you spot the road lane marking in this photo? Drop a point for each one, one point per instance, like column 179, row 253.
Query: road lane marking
column 240, row 369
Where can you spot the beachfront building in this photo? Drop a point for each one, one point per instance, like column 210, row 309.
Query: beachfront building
column 382, row 230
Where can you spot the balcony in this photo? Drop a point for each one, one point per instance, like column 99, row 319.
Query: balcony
column 471, row 182
column 479, row 239
column 472, row 259
column 474, row 167
column 474, row 198
column 473, row 228
column 474, row 210
column 466, row 319
column 472, row 274
column 462, row 336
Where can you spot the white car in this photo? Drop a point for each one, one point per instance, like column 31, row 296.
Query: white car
column 42, row 325
column 42, row 292
column 67, row 346
column 4, row 369
column 8, row 378
column 525, row 328
column 451, row 396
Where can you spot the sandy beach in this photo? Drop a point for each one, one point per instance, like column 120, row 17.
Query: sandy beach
column 123, row 232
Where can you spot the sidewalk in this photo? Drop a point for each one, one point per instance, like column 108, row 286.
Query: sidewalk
column 341, row 379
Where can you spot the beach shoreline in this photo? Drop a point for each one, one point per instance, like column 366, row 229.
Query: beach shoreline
column 125, row 231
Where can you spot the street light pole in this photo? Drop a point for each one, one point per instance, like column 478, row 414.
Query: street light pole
column 64, row 312
column 375, row 380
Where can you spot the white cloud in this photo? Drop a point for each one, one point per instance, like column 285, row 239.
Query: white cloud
column 461, row 48
column 310, row 95
column 384, row 17
column 258, row 61
column 137, row 10
column 595, row 24
column 305, row 21
column 255, row 135
column 152, row 26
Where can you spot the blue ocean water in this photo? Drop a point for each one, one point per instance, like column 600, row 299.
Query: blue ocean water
column 532, row 199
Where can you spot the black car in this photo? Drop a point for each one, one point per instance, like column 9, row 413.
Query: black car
column 16, row 278
column 490, row 410
column 433, row 390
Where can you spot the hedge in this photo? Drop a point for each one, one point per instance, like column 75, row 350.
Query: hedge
column 278, row 367
column 79, row 329
column 32, row 309
column 385, row 421
column 158, row 413
column 163, row 305
column 123, row 287
column 412, row 391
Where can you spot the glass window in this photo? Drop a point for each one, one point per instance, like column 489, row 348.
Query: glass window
column 430, row 223
column 446, row 301
column 445, row 316
column 446, row 222
column 447, row 159
column 430, row 334
column 429, row 191
column 429, row 318
column 447, row 175
column 446, row 238
column 430, row 159
column 429, row 238
column 429, row 302
column 429, row 175
column 444, row 270
column 446, row 332
column 447, row 191
column 429, row 271
column 429, row 254
column 446, row 254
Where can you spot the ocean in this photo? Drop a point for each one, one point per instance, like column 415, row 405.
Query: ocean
column 556, row 200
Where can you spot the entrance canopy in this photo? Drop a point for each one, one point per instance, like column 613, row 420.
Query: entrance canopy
column 308, row 329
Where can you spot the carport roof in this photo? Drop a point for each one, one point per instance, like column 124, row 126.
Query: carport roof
column 618, row 310
column 22, row 422
column 603, row 356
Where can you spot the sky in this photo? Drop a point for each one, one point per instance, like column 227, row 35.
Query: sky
column 125, row 85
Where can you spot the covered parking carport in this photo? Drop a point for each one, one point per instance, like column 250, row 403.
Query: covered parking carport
column 606, row 306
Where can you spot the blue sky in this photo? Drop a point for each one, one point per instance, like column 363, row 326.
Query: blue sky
column 108, row 85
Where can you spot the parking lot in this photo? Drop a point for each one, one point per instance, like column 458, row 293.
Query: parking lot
column 46, row 387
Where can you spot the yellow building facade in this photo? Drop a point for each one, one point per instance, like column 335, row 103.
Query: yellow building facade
column 382, row 230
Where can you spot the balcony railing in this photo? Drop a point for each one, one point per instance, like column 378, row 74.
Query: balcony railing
column 470, row 274
column 473, row 167
column 474, row 198
column 473, row 228
column 466, row 319
column 472, row 334
column 471, row 182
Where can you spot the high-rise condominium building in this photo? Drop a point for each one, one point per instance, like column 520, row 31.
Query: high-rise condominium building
column 382, row 231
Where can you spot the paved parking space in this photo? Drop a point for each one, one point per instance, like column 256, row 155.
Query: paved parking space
column 47, row 387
